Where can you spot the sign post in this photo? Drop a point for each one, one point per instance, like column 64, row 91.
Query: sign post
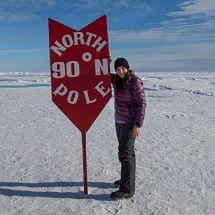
column 84, row 149
column 80, row 74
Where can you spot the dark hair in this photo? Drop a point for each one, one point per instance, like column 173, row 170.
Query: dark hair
column 120, row 82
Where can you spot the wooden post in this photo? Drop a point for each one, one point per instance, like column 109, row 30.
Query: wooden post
column 84, row 149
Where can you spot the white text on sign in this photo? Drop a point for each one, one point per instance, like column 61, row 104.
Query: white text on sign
column 73, row 95
column 71, row 69
column 79, row 38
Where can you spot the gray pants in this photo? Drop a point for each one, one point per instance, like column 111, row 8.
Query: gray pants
column 126, row 156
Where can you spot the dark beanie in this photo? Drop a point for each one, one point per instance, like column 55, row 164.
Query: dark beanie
column 121, row 62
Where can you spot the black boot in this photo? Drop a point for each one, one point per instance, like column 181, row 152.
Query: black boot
column 121, row 195
column 117, row 183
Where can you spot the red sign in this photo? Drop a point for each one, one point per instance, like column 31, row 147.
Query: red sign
column 80, row 70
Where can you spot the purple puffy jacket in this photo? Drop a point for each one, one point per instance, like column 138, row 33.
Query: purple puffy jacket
column 130, row 102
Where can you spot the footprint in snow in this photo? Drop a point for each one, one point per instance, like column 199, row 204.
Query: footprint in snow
column 173, row 116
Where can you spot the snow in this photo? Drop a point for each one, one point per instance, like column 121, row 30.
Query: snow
column 41, row 151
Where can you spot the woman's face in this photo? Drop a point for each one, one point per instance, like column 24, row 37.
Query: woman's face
column 121, row 71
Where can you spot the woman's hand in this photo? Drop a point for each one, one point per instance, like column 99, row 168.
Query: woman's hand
column 136, row 131
column 109, row 56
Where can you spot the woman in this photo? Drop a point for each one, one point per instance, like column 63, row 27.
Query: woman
column 130, row 107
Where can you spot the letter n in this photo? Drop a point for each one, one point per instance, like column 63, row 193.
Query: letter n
column 101, row 66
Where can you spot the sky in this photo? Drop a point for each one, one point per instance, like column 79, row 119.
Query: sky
column 153, row 35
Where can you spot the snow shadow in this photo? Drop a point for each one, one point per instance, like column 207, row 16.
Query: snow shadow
column 49, row 194
column 25, row 86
